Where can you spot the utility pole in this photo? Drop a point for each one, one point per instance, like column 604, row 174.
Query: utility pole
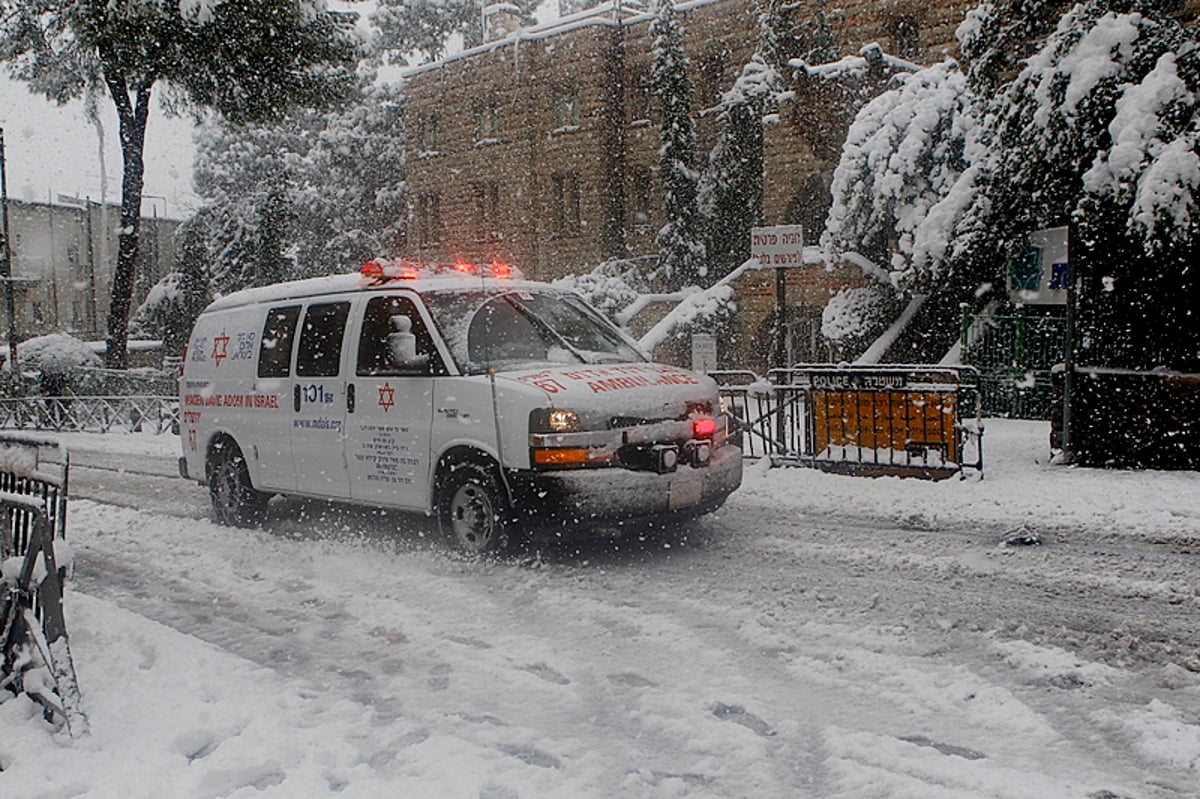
column 6, row 263
column 1068, row 455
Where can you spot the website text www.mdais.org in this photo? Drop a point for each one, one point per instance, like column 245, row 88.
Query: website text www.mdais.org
column 320, row 423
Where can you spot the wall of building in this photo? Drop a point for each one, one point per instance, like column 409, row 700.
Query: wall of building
column 498, row 169
column 608, row 152
column 63, row 259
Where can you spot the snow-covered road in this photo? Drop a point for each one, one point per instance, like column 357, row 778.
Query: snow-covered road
column 804, row 642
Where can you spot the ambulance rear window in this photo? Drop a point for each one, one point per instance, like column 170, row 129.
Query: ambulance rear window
column 275, row 356
column 320, row 353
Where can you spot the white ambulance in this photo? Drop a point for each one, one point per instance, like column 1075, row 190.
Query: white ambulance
column 500, row 405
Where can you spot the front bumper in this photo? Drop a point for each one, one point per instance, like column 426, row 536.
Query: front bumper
column 614, row 494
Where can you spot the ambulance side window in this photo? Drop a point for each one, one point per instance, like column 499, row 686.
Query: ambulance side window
column 386, row 320
column 275, row 355
column 321, row 337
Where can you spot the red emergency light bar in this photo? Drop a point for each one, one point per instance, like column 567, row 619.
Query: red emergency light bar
column 406, row 270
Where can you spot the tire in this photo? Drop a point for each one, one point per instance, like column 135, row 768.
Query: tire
column 473, row 512
column 235, row 502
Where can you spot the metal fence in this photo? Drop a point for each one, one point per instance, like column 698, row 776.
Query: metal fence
column 904, row 420
column 158, row 414
column 35, row 656
column 1014, row 354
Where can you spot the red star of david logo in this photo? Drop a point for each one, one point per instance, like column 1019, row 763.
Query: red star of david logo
column 220, row 344
column 387, row 397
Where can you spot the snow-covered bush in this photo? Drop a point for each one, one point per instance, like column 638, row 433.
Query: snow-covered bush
column 610, row 287
column 856, row 316
column 60, row 361
column 701, row 311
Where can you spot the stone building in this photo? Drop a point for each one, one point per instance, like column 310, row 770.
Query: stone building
column 540, row 147
column 63, row 258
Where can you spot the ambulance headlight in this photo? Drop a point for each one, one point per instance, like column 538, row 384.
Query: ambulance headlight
column 553, row 420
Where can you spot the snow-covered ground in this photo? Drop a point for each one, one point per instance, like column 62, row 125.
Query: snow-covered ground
column 821, row 636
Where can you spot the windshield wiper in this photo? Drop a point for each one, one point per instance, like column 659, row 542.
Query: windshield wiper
column 543, row 326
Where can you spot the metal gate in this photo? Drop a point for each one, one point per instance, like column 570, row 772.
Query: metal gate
column 1014, row 354
column 920, row 421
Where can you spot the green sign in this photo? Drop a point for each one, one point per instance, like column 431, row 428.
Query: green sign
column 1025, row 270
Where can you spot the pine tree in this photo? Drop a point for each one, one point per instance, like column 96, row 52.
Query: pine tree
column 820, row 45
column 1099, row 132
column 681, row 241
column 342, row 170
column 276, row 216
column 731, row 192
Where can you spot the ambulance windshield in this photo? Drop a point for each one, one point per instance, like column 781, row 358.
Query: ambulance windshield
column 521, row 329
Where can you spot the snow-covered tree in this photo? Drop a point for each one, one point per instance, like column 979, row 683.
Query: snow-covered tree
column 247, row 60
column 337, row 176
column 1099, row 131
column 426, row 27
column 946, row 174
column 908, row 171
column 731, row 191
column 172, row 305
column 997, row 36
column 681, row 240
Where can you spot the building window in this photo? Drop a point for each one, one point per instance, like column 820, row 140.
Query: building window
column 37, row 313
column 566, row 108
column 567, row 220
column 641, row 92
column 641, row 198
column 905, row 34
column 429, row 219
column 487, row 210
column 77, row 320
column 487, row 130
column 429, row 135
column 275, row 355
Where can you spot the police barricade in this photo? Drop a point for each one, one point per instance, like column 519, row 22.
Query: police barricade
column 35, row 657
column 911, row 421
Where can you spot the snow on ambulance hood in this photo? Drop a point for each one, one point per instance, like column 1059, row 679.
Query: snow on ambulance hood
column 645, row 390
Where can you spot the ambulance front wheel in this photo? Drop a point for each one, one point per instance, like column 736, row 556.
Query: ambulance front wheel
column 235, row 502
column 472, row 510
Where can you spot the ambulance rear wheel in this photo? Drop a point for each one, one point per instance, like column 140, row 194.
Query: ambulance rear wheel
column 473, row 513
column 234, row 500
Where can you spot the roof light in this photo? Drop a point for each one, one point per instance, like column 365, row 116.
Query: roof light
column 465, row 268
column 501, row 270
column 372, row 269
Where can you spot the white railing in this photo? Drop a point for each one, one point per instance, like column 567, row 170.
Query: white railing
column 133, row 414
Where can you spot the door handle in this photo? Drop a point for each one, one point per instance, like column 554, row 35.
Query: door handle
column 296, row 398
column 350, row 398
